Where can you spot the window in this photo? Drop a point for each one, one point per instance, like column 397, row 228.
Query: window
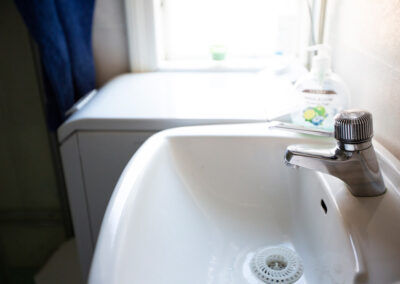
column 213, row 34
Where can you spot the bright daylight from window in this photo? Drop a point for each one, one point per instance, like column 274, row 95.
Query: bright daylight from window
column 231, row 33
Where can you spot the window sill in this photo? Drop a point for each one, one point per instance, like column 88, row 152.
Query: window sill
column 273, row 63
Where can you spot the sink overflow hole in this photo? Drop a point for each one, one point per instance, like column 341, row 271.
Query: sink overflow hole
column 323, row 205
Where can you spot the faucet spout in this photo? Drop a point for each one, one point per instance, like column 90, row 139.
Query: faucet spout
column 307, row 156
column 358, row 169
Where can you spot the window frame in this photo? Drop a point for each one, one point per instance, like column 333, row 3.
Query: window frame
column 144, row 50
column 141, row 34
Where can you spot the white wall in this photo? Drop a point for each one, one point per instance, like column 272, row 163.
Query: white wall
column 110, row 46
column 365, row 38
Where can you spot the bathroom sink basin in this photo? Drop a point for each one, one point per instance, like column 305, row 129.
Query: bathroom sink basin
column 206, row 204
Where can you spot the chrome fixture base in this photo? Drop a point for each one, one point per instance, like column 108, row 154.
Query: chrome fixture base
column 353, row 160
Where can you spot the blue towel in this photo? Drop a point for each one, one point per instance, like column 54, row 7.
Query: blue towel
column 62, row 30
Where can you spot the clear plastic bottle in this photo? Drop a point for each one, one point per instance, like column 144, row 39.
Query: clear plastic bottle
column 322, row 93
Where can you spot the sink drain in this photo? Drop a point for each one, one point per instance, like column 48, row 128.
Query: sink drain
column 277, row 265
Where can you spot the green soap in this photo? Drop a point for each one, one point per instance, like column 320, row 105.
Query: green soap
column 218, row 52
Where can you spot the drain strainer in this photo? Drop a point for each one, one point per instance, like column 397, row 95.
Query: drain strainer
column 277, row 265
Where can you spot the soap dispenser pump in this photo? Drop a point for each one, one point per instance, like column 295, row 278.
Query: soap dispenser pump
column 321, row 93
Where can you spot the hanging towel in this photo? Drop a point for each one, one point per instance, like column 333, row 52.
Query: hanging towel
column 62, row 30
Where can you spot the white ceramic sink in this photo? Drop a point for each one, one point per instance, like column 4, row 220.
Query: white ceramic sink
column 195, row 204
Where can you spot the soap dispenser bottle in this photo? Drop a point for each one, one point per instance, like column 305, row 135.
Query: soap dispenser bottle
column 321, row 93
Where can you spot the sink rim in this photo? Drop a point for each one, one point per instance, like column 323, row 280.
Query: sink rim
column 390, row 167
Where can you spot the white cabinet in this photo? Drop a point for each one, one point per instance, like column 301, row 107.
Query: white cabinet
column 93, row 162
column 103, row 158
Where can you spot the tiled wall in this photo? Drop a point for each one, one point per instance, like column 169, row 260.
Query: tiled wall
column 31, row 219
column 365, row 37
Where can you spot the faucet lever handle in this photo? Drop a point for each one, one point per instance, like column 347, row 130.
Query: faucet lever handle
column 353, row 126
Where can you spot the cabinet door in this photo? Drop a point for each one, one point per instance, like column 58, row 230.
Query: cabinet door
column 103, row 157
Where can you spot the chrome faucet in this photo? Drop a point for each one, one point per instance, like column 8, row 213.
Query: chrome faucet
column 353, row 160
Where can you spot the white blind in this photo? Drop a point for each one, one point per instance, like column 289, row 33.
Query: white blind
column 248, row 29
